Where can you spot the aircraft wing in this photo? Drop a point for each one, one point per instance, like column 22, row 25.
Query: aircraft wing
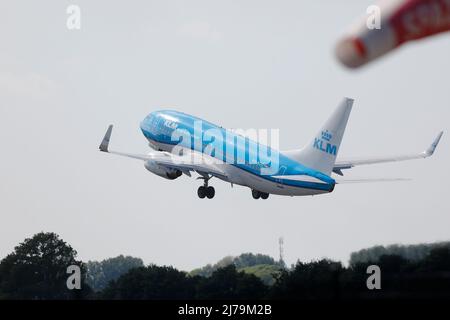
column 185, row 163
column 347, row 164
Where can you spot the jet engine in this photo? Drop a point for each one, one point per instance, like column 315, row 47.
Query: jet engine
column 167, row 173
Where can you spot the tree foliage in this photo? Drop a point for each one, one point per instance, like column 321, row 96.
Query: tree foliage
column 152, row 282
column 266, row 272
column 309, row 281
column 228, row 283
column 37, row 269
column 99, row 274
column 242, row 262
column 409, row 252
column 250, row 260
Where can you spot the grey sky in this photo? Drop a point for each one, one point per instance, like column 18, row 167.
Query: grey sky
column 241, row 64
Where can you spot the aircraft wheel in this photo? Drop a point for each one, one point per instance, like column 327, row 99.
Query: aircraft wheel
column 201, row 192
column 256, row 194
column 264, row 195
column 210, row 192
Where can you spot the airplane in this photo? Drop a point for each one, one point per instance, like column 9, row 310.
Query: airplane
column 180, row 147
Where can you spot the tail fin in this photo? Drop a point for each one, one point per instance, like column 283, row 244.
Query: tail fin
column 320, row 154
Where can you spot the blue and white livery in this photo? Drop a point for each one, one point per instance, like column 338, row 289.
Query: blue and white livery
column 183, row 144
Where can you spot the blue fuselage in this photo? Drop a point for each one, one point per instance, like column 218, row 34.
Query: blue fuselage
column 163, row 128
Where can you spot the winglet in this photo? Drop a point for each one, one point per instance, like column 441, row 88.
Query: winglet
column 429, row 152
column 105, row 142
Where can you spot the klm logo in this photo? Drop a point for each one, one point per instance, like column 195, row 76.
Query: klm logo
column 324, row 144
column 170, row 124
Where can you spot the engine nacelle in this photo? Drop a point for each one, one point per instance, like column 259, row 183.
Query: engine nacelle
column 162, row 171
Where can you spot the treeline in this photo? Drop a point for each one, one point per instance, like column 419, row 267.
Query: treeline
column 37, row 269
column 263, row 266
column 100, row 274
column 414, row 252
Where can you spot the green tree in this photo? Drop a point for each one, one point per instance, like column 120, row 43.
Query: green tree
column 316, row 280
column 241, row 262
column 37, row 270
column 393, row 263
column 152, row 283
column 266, row 272
column 250, row 260
column 437, row 260
column 228, row 283
column 99, row 274
column 413, row 253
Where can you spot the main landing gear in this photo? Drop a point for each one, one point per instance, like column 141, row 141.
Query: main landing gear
column 258, row 194
column 205, row 190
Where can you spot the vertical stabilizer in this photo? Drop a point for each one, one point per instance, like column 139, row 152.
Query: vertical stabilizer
column 321, row 152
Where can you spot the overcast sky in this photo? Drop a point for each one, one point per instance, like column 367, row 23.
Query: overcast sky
column 240, row 64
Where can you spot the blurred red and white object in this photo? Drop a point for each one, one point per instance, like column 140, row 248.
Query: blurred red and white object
column 401, row 21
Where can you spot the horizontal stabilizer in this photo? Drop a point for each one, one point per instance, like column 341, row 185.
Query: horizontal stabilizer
column 348, row 164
